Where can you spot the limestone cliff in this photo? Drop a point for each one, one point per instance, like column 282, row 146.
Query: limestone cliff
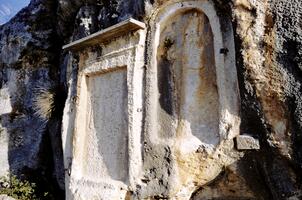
column 35, row 76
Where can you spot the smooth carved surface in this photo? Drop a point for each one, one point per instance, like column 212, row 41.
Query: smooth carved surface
column 107, row 130
column 106, row 34
column 187, row 80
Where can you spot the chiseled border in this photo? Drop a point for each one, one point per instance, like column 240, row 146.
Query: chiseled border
column 131, row 58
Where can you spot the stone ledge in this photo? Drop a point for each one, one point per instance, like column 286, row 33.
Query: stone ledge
column 246, row 142
column 106, row 34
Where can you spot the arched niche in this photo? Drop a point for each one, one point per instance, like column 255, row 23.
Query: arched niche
column 192, row 88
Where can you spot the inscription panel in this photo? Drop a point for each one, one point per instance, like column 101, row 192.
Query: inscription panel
column 107, row 126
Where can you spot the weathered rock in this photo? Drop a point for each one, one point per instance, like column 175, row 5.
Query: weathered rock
column 29, row 50
column 245, row 142
column 268, row 43
column 5, row 197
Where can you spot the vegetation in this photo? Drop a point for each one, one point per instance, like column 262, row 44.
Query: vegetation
column 18, row 189
column 44, row 102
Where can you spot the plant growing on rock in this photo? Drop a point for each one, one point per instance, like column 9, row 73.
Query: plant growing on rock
column 18, row 189
column 44, row 102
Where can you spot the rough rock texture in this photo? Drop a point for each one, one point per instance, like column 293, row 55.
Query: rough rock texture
column 270, row 88
column 245, row 142
column 268, row 43
column 5, row 197
column 29, row 65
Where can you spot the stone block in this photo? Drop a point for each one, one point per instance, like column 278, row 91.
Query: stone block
column 246, row 142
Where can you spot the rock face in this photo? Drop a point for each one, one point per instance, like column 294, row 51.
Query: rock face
column 5, row 197
column 30, row 140
column 193, row 105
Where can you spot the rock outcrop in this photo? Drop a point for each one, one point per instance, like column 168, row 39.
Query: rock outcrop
column 30, row 87
column 37, row 76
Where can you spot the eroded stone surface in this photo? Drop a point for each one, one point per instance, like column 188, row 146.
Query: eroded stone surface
column 268, row 41
column 188, row 93
column 245, row 142
column 227, row 186
column 191, row 111
column 107, row 127
column 5, row 197
column 108, row 121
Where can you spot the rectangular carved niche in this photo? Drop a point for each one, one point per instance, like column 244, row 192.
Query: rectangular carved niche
column 106, row 126
column 106, row 146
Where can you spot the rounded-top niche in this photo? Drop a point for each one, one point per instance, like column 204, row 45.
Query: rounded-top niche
column 187, row 88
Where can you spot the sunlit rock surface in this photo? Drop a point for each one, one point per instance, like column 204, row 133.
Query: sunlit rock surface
column 188, row 151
